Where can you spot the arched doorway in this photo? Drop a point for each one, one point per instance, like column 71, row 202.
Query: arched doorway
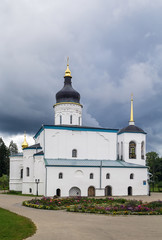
column 91, row 191
column 108, row 191
column 129, row 191
column 74, row 191
column 58, row 192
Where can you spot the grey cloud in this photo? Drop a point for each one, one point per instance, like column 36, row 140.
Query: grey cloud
column 115, row 48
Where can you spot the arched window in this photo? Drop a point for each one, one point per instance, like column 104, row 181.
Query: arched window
column 71, row 119
column 142, row 150
column 21, row 173
column 27, row 171
column 91, row 176
column 74, row 153
column 60, row 175
column 132, row 150
column 108, row 176
column 121, row 150
column 60, row 119
column 131, row 176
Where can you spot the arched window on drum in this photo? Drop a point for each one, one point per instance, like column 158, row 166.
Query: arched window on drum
column 132, row 150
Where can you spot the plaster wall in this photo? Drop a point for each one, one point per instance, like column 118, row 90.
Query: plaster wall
column 79, row 177
column 89, row 144
column 65, row 110
column 126, row 138
column 16, row 164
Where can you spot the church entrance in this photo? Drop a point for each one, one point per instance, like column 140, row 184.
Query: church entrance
column 91, row 192
column 129, row 191
column 74, row 191
column 58, row 192
column 108, row 191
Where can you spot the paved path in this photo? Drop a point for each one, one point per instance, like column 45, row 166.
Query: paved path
column 61, row 225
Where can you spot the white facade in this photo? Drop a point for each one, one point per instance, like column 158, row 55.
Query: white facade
column 68, row 159
column 68, row 113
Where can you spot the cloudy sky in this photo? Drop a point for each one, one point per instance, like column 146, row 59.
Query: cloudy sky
column 115, row 49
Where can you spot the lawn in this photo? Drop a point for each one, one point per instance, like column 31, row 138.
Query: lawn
column 15, row 227
column 108, row 206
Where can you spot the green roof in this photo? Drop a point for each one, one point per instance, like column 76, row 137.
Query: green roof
column 90, row 163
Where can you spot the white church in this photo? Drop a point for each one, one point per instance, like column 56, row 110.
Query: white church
column 69, row 159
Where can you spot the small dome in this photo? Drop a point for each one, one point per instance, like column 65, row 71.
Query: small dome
column 131, row 129
column 24, row 144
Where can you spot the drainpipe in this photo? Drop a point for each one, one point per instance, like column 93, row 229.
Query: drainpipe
column 100, row 174
column 46, row 182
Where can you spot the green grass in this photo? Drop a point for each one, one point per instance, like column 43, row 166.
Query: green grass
column 15, row 227
column 20, row 193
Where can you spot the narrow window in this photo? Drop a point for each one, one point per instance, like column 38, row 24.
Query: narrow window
column 132, row 150
column 118, row 151
column 91, row 176
column 74, row 153
column 108, row 176
column 121, row 150
column 71, row 119
column 79, row 120
column 131, row 176
column 21, row 173
column 30, row 190
column 60, row 119
column 142, row 150
column 27, row 172
column 60, row 175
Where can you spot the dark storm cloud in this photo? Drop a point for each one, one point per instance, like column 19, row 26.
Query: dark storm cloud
column 115, row 48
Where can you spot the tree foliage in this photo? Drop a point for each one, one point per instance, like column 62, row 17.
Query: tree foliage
column 154, row 162
column 4, row 182
column 13, row 148
column 4, row 159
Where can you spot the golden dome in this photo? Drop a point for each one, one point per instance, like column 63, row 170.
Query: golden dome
column 24, row 144
column 67, row 72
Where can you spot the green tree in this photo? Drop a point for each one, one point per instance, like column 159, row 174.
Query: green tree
column 4, row 159
column 13, row 148
column 155, row 166
column 4, row 182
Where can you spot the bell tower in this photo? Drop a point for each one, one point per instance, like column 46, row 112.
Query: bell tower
column 68, row 110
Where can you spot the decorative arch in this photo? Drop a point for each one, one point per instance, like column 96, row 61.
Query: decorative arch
column 131, row 176
column 21, row 173
column 58, row 192
column 142, row 150
column 27, row 172
column 74, row 153
column 91, row 175
column 107, row 175
column 130, row 191
column 60, row 176
column 71, row 119
column 91, row 191
column 74, row 191
column 108, row 191
column 60, row 119
column 132, row 150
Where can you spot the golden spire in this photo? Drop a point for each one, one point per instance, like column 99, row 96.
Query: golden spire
column 67, row 72
column 131, row 122
column 24, row 144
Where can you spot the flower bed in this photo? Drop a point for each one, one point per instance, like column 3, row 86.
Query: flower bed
column 109, row 206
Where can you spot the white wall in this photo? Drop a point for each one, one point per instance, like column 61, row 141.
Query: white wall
column 16, row 164
column 66, row 110
column 126, row 138
column 79, row 177
column 89, row 144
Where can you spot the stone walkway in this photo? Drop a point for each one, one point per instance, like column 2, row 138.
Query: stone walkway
column 61, row 225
